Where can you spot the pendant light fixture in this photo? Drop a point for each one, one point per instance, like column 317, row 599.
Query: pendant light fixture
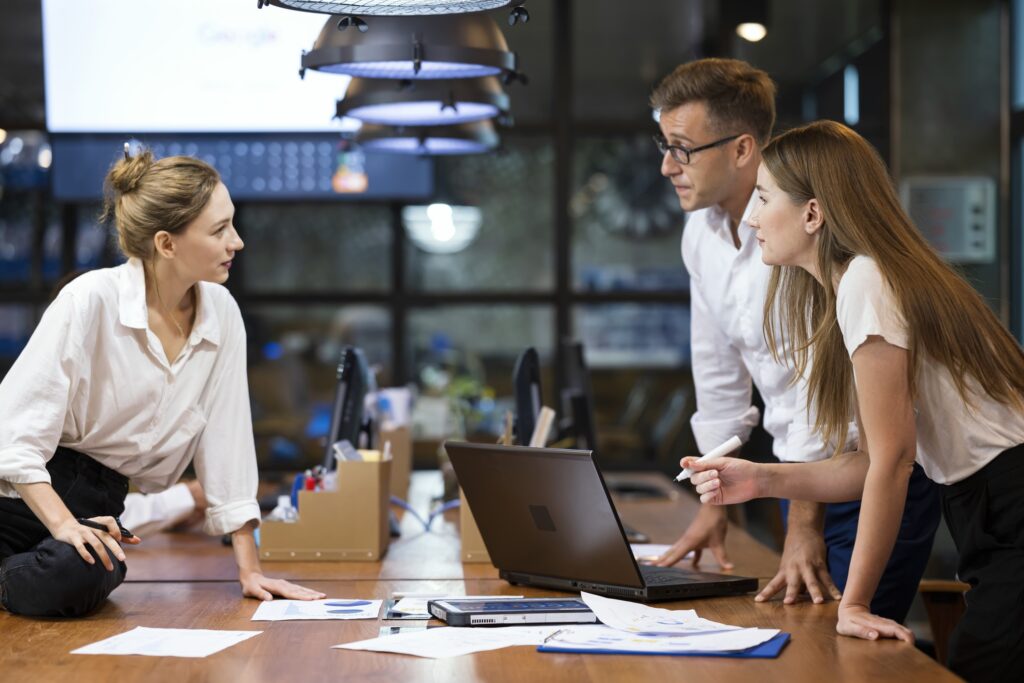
column 423, row 103
column 466, row 138
column 402, row 8
column 432, row 47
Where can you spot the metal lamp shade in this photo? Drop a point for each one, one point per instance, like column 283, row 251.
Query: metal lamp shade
column 402, row 8
column 463, row 46
column 466, row 138
column 423, row 102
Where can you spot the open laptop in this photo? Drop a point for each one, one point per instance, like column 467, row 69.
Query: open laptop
column 547, row 520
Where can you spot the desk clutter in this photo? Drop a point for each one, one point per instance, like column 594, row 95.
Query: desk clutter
column 362, row 492
column 624, row 628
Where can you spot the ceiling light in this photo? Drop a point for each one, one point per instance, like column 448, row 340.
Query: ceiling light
column 423, row 102
column 466, row 138
column 751, row 31
column 44, row 158
column 463, row 46
column 441, row 228
column 748, row 17
column 403, row 8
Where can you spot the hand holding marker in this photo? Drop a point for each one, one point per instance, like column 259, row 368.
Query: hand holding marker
column 726, row 448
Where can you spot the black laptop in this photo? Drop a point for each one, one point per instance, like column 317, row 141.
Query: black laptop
column 547, row 520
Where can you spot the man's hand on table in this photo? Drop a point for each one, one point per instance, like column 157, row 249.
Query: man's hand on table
column 706, row 531
column 803, row 566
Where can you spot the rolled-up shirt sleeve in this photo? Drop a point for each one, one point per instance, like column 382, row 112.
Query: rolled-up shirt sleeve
column 35, row 395
column 225, row 458
column 721, row 380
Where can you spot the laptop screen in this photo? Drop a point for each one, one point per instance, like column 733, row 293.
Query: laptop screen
column 544, row 511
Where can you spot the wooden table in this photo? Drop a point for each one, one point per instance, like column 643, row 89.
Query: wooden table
column 189, row 581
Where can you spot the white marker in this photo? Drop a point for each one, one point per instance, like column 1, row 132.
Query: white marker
column 726, row 448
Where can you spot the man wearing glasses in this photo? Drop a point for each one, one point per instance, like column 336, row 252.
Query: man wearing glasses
column 715, row 115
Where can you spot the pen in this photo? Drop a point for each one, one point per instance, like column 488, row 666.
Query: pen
column 96, row 525
column 727, row 447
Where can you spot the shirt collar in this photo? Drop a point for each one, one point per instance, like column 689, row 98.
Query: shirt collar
column 134, row 314
column 131, row 286
column 718, row 220
column 207, row 326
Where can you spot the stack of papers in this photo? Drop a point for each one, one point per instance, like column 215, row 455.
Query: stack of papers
column 633, row 617
column 626, row 627
column 598, row 639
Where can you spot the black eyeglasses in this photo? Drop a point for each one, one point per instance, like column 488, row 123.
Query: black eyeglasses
column 682, row 154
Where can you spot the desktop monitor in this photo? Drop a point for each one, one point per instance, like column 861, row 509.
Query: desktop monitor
column 526, row 386
column 347, row 412
column 577, row 421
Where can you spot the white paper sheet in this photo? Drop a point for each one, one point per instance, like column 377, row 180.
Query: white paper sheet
column 328, row 609
column 651, row 551
column 597, row 637
column 439, row 643
column 633, row 617
column 167, row 642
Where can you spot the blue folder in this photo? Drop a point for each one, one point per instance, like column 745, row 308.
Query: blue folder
column 766, row 650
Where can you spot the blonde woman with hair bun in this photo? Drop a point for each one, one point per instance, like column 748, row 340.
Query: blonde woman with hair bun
column 133, row 373
column 898, row 336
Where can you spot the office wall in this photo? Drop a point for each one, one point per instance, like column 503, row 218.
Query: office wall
column 948, row 106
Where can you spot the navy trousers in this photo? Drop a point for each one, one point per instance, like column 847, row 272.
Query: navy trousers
column 899, row 583
column 41, row 576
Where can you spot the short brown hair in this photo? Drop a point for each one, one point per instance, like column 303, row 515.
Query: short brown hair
column 739, row 98
column 145, row 196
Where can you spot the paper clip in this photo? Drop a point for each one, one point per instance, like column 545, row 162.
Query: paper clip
column 553, row 635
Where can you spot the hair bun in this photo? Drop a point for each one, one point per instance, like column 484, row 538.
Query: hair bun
column 127, row 173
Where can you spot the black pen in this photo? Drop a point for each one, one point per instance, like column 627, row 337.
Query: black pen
column 96, row 525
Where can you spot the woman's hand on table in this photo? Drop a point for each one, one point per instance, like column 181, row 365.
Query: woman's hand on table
column 859, row 622
column 256, row 585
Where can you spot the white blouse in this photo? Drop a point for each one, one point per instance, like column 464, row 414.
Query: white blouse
column 954, row 440
column 95, row 378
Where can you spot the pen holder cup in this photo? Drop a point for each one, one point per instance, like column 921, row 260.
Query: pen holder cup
column 350, row 523
column 473, row 548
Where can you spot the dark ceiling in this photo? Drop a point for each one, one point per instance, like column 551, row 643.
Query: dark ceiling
column 620, row 51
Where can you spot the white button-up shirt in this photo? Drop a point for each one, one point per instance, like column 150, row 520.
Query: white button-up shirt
column 95, row 378
column 728, row 287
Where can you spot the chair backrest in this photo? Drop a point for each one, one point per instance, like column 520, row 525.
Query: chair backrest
column 945, row 604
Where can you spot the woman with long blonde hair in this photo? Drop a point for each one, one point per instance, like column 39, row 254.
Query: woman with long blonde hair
column 883, row 329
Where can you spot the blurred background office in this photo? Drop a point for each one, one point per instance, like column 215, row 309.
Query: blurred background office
column 444, row 267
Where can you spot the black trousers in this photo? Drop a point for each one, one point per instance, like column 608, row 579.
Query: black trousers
column 41, row 576
column 985, row 515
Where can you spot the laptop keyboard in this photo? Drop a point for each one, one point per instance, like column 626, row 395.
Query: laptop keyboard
column 654, row 576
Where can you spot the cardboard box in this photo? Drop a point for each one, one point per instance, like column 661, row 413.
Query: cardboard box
column 401, row 459
column 348, row 524
column 473, row 548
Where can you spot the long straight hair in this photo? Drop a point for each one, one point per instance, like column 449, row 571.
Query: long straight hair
column 947, row 320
